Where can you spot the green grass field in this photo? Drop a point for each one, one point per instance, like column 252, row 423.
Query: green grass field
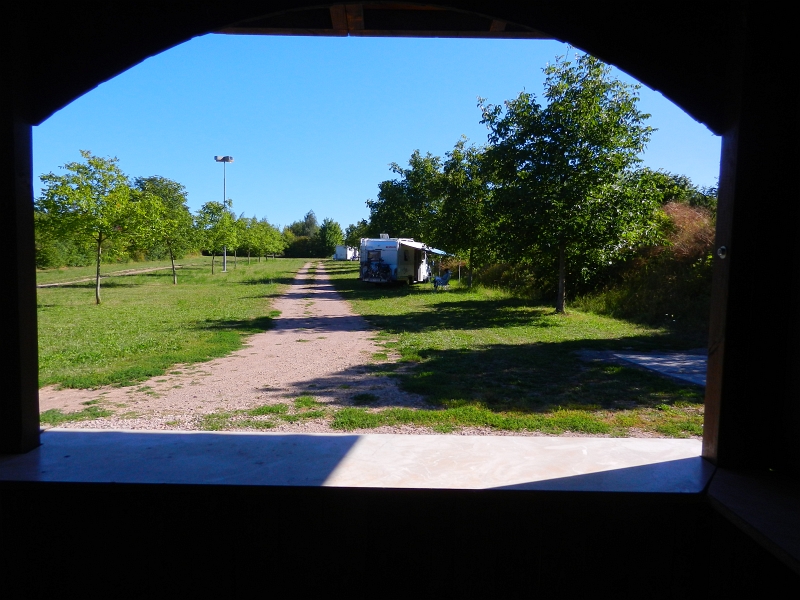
column 146, row 324
column 481, row 357
column 485, row 358
column 48, row 276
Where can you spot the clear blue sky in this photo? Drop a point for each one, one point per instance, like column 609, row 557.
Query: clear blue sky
column 313, row 122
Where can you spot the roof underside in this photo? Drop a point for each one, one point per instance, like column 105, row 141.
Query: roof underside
column 689, row 53
column 383, row 19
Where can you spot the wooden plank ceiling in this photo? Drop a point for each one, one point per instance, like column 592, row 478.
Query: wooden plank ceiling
column 382, row 19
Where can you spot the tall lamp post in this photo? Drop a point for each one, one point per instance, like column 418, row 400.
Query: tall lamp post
column 224, row 160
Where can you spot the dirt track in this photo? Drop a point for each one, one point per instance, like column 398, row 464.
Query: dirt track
column 318, row 347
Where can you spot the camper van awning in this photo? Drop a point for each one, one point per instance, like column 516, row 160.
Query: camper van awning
column 421, row 246
column 412, row 244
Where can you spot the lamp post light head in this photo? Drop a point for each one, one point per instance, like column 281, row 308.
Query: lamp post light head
column 223, row 159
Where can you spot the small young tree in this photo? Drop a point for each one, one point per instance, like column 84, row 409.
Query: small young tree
column 241, row 226
column 216, row 228
column 92, row 200
column 270, row 240
column 328, row 237
column 248, row 234
column 174, row 228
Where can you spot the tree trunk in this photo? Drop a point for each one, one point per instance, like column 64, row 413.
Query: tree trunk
column 235, row 258
column 248, row 257
column 174, row 273
column 469, row 280
column 561, row 277
column 212, row 263
column 97, row 278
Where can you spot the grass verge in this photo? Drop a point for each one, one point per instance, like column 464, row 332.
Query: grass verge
column 56, row 417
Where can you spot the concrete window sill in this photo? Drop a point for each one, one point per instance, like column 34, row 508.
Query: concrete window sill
column 365, row 461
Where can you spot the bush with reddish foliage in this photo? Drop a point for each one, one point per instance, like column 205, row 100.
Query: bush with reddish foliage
column 669, row 283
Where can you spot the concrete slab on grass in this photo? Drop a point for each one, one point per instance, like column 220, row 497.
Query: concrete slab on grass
column 686, row 366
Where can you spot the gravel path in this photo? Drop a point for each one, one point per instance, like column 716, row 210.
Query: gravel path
column 318, row 347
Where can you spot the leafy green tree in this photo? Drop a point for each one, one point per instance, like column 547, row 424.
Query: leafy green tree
column 174, row 228
column 53, row 250
column 673, row 187
column 216, row 228
column 557, row 165
column 301, row 247
column 248, row 232
column 308, row 227
column 463, row 227
column 354, row 233
column 328, row 237
column 241, row 226
column 409, row 205
column 91, row 201
column 268, row 240
column 257, row 237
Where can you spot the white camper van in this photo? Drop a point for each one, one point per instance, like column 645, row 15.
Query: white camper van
column 345, row 253
column 386, row 259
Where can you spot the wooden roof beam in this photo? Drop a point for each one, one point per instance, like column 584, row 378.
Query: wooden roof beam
column 379, row 19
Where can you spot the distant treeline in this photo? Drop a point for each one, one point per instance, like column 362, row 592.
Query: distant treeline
column 95, row 211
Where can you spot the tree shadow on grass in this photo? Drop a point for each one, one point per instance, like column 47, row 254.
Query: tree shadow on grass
column 317, row 294
column 479, row 314
column 455, row 310
column 534, row 387
column 259, row 296
column 541, row 377
column 189, row 268
column 254, row 325
column 90, row 285
column 283, row 280
column 161, row 273
column 350, row 387
column 466, row 314
column 353, row 288
column 152, row 271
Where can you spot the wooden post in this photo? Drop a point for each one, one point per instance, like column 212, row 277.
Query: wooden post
column 752, row 398
column 19, row 400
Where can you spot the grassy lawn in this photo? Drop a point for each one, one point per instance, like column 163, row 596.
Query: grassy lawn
column 481, row 358
column 146, row 324
column 46, row 276
column 485, row 358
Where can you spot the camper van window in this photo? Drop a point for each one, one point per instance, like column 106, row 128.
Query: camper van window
column 373, row 255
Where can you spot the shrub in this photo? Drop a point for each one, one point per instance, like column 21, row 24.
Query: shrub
column 669, row 283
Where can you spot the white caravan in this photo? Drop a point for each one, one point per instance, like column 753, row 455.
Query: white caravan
column 386, row 259
column 345, row 253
